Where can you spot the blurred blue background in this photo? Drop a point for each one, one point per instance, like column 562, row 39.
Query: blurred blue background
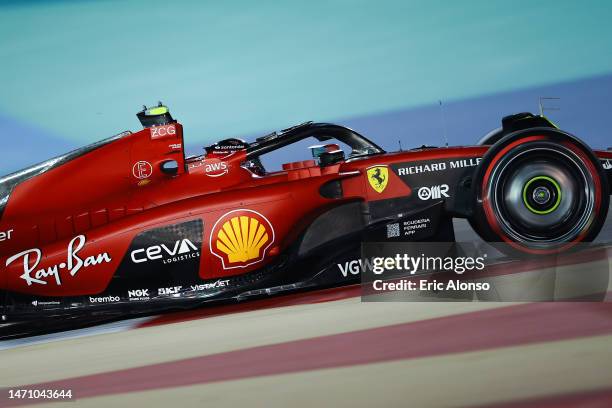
column 76, row 71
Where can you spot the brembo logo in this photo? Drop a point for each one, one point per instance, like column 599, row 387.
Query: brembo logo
column 104, row 299
column 181, row 250
column 433, row 193
column 31, row 259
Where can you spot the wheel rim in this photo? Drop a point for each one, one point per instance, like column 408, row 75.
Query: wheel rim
column 542, row 195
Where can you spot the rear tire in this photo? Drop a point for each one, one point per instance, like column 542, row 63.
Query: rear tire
column 540, row 190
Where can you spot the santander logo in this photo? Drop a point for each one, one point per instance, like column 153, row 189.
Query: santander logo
column 30, row 261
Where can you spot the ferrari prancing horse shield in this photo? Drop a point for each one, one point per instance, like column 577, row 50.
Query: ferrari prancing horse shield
column 378, row 176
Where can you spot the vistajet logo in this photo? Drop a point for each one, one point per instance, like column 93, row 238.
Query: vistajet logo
column 221, row 283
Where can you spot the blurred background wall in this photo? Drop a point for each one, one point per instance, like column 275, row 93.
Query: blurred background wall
column 76, row 71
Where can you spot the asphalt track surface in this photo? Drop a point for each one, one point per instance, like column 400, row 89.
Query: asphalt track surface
column 327, row 348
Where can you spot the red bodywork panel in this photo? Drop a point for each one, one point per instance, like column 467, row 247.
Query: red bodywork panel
column 66, row 231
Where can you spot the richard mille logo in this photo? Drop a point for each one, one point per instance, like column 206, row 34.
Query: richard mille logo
column 440, row 166
column 433, row 193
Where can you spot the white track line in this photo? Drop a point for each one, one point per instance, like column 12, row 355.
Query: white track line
column 105, row 328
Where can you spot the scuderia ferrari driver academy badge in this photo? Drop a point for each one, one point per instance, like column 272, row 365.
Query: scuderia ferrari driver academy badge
column 241, row 238
column 378, row 176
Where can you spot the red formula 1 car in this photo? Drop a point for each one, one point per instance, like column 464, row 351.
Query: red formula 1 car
column 129, row 225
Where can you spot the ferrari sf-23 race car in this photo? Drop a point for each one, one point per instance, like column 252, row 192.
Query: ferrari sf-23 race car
column 130, row 225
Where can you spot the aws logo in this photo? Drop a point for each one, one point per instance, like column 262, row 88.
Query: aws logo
column 241, row 238
column 378, row 176
column 215, row 168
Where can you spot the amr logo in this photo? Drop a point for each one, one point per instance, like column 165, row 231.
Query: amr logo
column 378, row 176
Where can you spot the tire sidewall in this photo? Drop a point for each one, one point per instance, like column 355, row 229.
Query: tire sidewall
column 479, row 219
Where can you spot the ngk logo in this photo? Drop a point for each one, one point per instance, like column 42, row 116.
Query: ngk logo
column 138, row 293
column 433, row 192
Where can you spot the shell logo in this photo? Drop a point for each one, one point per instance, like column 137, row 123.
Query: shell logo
column 240, row 238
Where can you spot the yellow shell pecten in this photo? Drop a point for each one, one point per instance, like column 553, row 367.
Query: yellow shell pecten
column 241, row 239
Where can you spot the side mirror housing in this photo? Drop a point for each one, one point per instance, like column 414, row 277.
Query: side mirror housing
column 329, row 158
column 169, row 167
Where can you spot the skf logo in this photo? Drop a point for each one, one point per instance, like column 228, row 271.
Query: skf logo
column 142, row 170
column 607, row 165
column 433, row 193
column 378, row 176
column 157, row 132
column 241, row 238
column 169, row 291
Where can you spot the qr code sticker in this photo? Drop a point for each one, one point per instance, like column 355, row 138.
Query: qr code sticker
column 393, row 230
